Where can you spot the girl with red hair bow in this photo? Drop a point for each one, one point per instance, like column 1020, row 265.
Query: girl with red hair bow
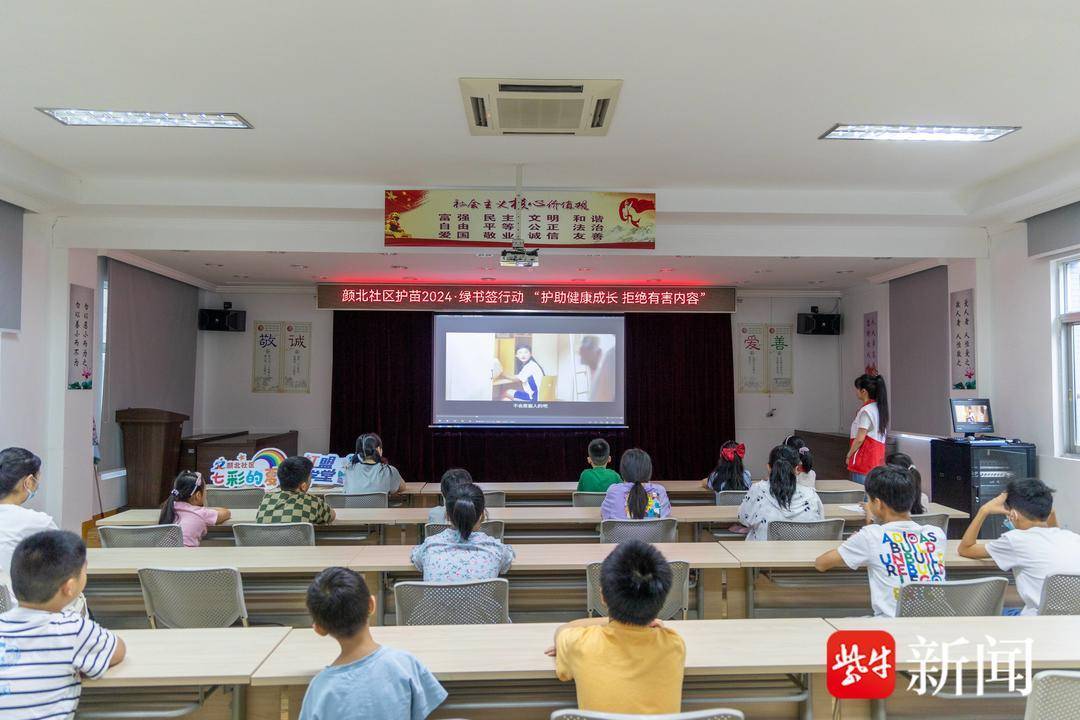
column 729, row 473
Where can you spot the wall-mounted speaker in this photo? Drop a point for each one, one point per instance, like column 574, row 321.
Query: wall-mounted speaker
column 222, row 320
column 819, row 324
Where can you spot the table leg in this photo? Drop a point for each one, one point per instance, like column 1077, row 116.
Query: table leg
column 380, row 600
column 238, row 702
column 283, row 702
column 751, row 575
column 700, row 594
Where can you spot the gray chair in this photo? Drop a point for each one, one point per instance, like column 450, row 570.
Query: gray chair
column 273, row 534
column 193, row 597
column 1055, row 694
column 358, row 500
column 140, row 536
column 243, row 499
column 938, row 520
column 677, row 604
column 587, row 499
column 812, row 530
column 651, row 531
column 954, row 598
column 495, row 498
column 493, row 528
column 1060, row 595
column 841, row 497
column 478, row 602
column 716, row 714
column 5, row 600
column 728, row 498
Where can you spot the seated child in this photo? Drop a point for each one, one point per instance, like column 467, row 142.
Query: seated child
column 45, row 649
column 366, row 680
column 729, row 473
column 294, row 503
column 629, row 663
column 451, row 479
column 779, row 497
column 20, row 480
column 1034, row 549
column 635, row 498
column 903, row 460
column 184, row 507
column 804, row 473
column 598, row 477
column 896, row 551
column 462, row 552
column 368, row 470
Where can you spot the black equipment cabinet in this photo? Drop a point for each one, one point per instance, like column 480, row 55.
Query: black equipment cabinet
column 967, row 474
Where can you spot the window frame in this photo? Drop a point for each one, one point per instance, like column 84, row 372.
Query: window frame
column 1068, row 330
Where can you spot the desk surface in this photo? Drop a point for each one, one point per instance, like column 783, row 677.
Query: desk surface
column 217, row 656
column 559, row 488
column 1053, row 646
column 802, row 553
column 371, row 558
column 516, row 651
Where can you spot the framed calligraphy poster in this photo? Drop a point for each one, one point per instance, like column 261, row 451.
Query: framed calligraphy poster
column 962, row 339
column 296, row 369
column 80, row 353
column 751, row 348
column 266, row 357
column 870, row 343
column 780, row 373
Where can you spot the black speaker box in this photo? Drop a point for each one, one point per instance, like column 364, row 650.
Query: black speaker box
column 222, row 320
column 818, row 324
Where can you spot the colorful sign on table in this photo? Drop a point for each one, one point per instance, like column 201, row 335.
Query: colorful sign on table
column 962, row 325
column 561, row 298
column 870, row 343
column 281, row 357
column 258, row 472
column 751, row 339
column 327, row 469
column 80, row 375
column 780, row 375
column 549, row 218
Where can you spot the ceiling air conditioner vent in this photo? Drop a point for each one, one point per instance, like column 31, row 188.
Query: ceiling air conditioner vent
column 539, row 107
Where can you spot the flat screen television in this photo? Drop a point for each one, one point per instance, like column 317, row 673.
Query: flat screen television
column 971, row 416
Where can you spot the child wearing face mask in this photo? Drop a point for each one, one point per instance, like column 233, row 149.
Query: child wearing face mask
column 20, row 478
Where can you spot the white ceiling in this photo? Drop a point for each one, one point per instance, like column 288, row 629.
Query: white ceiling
column 272, row 268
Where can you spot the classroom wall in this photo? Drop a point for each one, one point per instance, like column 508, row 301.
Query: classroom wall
column 223, row 397
column 855, row 303
column 815, row 403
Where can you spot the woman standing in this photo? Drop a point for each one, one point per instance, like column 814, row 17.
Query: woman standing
column 867, row 449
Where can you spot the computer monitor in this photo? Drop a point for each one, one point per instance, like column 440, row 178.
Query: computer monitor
column 971, row 415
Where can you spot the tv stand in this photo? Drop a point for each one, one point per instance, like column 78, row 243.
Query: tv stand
column 967, row 473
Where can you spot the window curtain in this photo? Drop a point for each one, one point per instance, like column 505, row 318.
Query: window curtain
column 919, row 347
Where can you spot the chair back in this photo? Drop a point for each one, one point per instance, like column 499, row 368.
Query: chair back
column 812, row 530
column 478, row 602
column 954, row 598
column 193, row 597
column 714, row 714
column 730, row 497
column 675, row 607
column 651, row 531
column 587, row 499
column 493, row 528
column 5, row 599
column 938, row 520
column 495, row 498
column 273, row 534
column 358, row 500
column 1060, row 595
column 1054, row 694
column 838, row 497
column 243, row 499
column 140, row 536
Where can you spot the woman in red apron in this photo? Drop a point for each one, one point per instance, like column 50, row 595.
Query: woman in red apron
column 867, row 449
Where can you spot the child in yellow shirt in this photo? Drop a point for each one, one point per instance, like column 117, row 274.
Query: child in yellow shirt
column 628, row 663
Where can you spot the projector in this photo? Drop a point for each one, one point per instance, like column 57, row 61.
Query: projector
column 520, row 257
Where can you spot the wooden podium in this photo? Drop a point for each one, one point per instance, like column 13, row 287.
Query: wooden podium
column 151, row 453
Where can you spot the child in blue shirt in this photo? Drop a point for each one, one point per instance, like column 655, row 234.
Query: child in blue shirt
column 367, row 680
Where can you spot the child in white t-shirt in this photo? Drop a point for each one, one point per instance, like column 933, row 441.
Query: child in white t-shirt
column 896, row 551
column 20, row 480
column 1034, row 550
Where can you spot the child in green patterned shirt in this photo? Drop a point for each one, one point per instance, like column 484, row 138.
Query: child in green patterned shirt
column 294, row 503
column 597, row 477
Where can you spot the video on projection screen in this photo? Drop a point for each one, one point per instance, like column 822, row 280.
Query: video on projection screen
column 528, row 370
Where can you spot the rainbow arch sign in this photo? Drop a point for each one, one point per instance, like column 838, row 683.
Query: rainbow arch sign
column 258, row 472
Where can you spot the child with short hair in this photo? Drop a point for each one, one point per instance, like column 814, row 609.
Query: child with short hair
column 184, row 507
column 627, row 662
column 729, row 473
column 598, row 477
column 20, row 480
column 897, row 550
column 366, row 680
column 451, row 480
column 462, row 553
column 293, row 502
column 1034, row 549
column 779, row 497
column 46, row 647
column 635, row 498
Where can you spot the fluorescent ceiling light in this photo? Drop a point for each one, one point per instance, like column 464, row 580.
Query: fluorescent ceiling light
column 78, row 116
column 917, row 133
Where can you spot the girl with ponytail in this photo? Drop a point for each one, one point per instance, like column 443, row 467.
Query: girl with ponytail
column 635, row 498
column 185, row 507
column 779, row 497
column 868, row 429
column 804, row 473
column 369, row 471
column 461, row 552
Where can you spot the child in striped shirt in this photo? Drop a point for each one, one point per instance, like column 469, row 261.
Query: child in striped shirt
column 44, row 649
